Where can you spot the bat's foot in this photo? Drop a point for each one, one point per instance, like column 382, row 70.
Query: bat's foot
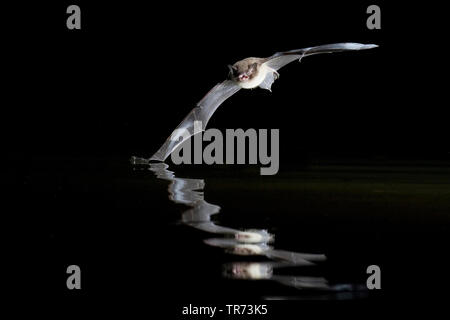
column 135, row 161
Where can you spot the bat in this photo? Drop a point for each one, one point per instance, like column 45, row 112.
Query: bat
column 248, row 73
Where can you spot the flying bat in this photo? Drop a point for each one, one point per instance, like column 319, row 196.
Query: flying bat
column 248, row 73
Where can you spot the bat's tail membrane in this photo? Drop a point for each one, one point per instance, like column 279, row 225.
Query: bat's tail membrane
column 271, row 76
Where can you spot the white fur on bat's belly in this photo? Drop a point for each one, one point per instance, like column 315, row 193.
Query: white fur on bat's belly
column 256, row 81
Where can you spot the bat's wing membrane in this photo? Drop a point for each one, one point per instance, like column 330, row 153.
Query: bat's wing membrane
column 280, row 59
column 200, row 114
column 277, row 62
column 214, row 98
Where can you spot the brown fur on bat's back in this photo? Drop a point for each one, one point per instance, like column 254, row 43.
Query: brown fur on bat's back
column 243, row 65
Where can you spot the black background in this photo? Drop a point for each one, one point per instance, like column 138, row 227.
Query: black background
column 119, row 86
column 135, row 70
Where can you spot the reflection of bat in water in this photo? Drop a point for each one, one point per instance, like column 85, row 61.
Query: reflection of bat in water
column 262, row 249
column 190, row 193
column 248, row 73
column 264, row 271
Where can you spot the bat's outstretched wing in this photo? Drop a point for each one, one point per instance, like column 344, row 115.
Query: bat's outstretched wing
column 200, row 115
column 280, row 59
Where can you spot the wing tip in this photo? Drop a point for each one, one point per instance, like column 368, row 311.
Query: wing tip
column 370, row 46
column 358, row 46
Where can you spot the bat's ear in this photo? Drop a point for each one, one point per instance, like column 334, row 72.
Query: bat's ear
column 254, row 66
column 232, row 70
column 230, row 73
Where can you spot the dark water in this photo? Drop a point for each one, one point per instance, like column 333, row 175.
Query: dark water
column 177, row 235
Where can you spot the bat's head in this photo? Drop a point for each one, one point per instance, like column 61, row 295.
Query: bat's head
column 243, row 70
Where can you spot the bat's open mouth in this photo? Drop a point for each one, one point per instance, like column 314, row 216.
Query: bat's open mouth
column 243, row 77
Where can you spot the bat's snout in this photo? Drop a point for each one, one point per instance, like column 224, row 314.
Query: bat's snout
column 243, row 77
